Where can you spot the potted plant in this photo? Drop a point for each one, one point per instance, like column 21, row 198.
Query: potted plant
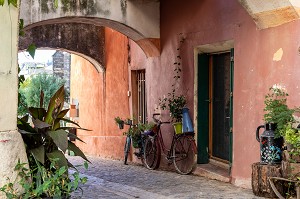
column 135, row 134
column 277, row 111
column 119, row 122
column 147, row 128
column 277, row 116
column 175, row 104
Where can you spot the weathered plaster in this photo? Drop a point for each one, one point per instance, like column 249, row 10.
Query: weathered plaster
column 11, row 143
column 8, row 67
column 278, row 55
column 12, row 150
column 142, row 16
column 102, row 97
column 83, row 39
column 272, row 13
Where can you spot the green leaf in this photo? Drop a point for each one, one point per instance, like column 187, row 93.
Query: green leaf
column 56, row 100
column 21, row 27
column 13, row 2
column 39, row 154
column 60, row 138
column 59, row 117
column 39, row 124
column 22, row 125
column 71, row 135
column 37, row 113
column 1, row 2
column 26, row 132
column 86, row 165
column 31, row 50
column 70, row 121
column 62, row 113
column 61, row 171
column 76, row 150
column 62, row 161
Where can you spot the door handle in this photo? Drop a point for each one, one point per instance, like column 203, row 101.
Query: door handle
column 208, row 100
column 227, row 117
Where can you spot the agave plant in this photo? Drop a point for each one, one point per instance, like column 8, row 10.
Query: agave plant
column 45, row 139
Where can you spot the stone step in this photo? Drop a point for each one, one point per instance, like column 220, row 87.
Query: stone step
column 212, row 171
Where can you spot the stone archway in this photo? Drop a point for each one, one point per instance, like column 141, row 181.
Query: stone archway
column 85, row 40
column 137, row 19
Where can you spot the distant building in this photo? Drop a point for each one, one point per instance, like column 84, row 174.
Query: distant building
column 61, row 66
column 32, row 68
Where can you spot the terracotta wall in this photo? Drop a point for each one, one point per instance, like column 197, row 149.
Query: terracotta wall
column 102, row 97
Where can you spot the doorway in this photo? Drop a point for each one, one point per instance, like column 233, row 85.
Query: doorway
column 215, row 75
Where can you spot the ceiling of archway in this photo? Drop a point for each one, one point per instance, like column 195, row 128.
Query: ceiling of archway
column 143, row 16
column 266, row 13
column 82, row 39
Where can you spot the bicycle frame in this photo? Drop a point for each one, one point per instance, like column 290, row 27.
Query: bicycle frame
column 167, row 153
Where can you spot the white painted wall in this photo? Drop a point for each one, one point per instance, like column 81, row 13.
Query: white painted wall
column 12, row 147
column 8, row 67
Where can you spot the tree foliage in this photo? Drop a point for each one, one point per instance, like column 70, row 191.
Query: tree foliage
column 30, row 91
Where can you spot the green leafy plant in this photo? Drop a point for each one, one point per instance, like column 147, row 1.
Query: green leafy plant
column 118, row 120
column 146, row 126
column 277, row 110
column 174, row 104
column 51, row 183
column 45, row 140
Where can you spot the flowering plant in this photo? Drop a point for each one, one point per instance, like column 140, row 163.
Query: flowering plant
column 277, row 110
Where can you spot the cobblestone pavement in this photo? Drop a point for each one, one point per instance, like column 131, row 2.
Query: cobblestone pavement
column 114, row 180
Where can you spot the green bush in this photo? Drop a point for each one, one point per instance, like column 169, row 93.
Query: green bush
column 51, row 182
column 30, row 91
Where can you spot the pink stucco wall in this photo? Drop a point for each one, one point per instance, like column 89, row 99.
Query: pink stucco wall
column 213, row 21
column 201, row 22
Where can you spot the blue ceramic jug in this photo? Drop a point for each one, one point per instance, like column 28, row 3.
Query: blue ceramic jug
column 187, row 125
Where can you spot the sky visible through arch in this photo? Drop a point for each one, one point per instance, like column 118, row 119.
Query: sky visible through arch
column 41, row 56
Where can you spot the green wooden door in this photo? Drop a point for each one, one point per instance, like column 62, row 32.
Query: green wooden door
column 203, row 108
column 231, row 106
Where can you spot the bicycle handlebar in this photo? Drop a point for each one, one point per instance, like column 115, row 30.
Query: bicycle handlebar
column 158, row 120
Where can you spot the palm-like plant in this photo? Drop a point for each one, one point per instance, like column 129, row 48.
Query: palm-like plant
column 46, row 140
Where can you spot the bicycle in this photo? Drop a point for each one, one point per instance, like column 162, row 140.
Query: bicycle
column 182, row 152
column 127, row 146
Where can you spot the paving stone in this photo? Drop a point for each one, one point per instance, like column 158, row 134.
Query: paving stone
column 113, row 180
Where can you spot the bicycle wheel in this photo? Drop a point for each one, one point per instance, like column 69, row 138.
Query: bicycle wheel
column 127, row 148
column 151, row 153
column 184, row 151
